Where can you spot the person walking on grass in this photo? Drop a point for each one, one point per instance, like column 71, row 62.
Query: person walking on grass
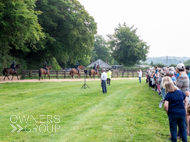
column 176, row 110
column 109, row 77
column 103, row 81
column 139, row 75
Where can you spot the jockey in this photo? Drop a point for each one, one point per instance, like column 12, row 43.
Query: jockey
column 45, row 66
column 76, row 67
column 95, row 67
column 13, row 66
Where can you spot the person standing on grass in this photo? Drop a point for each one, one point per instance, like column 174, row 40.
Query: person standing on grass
column 139, row 75
column 183, row 79
column 171, row 74
column 176, row 111
column 103, row 81
column 109, row 77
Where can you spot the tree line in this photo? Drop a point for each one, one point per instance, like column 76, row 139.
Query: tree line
column 61, row 32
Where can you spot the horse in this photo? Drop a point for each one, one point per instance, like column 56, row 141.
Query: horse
column 74, row 71
column 93, row 72
column 43, row 71
column 9, row 71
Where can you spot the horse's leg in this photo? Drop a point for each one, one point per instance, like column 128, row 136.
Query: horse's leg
column 8, row 77
column 17, row 76
column 12, row 77
column 4, row 77
column 49, row 76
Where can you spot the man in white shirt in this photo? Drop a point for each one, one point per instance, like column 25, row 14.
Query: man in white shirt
column 103, row 81
column 140, row 75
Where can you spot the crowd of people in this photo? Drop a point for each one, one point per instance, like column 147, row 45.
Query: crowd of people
column 173, row 85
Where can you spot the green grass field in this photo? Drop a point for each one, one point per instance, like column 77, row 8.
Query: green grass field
column 63, row 112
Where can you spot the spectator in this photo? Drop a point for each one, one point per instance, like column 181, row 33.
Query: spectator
column 188, row 73
column 109, row 77
column 140, row 75
column 183, row 79
column 171, row 74
column 176, row 111
column 103, row 81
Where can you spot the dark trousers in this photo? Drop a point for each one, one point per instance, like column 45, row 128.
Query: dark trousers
column 108, row 81
column 104, row 89
column 180, row 121
column 139, row 79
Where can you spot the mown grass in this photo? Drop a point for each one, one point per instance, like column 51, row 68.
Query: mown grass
column 128, row 112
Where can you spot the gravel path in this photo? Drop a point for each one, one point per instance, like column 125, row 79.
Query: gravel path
column 54, row 80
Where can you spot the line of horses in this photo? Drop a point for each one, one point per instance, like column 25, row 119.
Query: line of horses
column 73, row 71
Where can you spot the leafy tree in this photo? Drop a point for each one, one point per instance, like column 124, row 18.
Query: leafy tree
column 69, row 31
column 20, row 30
column 127, row 47
column 101, row 50
column 159, row 65
column 187, row 63
column 172, row 65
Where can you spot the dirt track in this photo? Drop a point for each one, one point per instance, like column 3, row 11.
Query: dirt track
column 53, row 80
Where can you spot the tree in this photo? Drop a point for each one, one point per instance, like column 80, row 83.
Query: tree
column 101, row 50
column 159, row 65
column 69, row 30
column 20, row 30
column 127, row 47
column 187, row 63
column 172, row 65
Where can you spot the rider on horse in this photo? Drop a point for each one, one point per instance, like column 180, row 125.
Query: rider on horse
column 76, row 67
column 95, row 68
column 13, row 66
column 45, row 66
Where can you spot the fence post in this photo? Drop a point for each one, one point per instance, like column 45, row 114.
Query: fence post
column 24, row 73
column 30, row 73
column 128, row 74
column 117, row 74
column 64, row 74
column 56, row 74
column 122, row 73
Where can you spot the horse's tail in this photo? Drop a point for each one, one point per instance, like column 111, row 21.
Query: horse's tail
column 39, row 73
column 4, row 71
column 70, row 72
column 90, row 72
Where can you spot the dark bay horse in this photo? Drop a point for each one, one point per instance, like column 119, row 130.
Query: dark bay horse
column 74, row 71
column 93, row 72
column 43, row 71
column 9, row 71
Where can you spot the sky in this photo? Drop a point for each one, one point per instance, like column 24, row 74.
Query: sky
column 163, row 24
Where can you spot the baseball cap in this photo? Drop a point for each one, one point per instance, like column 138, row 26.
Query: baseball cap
column 180, row 66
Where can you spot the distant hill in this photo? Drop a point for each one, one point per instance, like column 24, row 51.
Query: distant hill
column 167, row 60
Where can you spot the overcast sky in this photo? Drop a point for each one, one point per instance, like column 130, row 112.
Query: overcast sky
column 163, row 24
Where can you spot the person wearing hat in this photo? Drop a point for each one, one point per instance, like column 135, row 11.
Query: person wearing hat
column 183, row 79
column 95, row 68
column 103, row 81
column 13, row 66
column 188, row 73
column 45, row 66
column 76, row 67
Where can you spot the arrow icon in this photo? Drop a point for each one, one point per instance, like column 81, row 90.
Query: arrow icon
column 19, row 127
column 14, row 128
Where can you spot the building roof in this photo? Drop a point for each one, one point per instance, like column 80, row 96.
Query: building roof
column 101, row 63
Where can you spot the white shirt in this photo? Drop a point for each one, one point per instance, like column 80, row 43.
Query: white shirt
column 140, row 73
column 104, row 76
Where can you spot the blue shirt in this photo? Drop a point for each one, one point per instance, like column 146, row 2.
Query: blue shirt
column 189, row 75
column 174, row 79
column 176, row 75
column 176, row 106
